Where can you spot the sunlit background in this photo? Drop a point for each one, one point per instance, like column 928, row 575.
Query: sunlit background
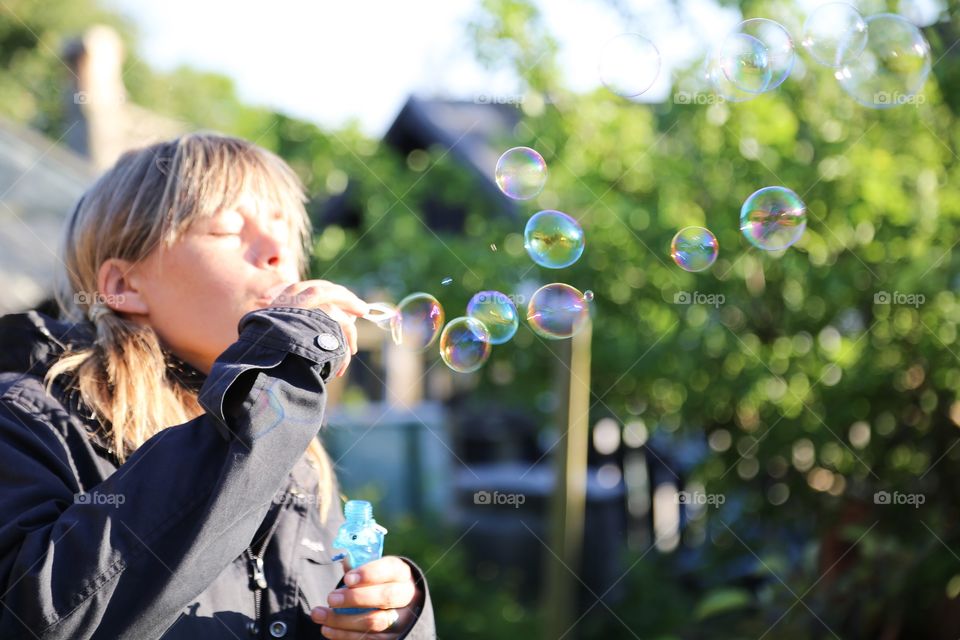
column 762, row 449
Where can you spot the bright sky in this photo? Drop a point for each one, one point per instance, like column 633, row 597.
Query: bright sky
column 330, row 62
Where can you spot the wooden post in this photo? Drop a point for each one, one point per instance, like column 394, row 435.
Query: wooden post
column 568, row 503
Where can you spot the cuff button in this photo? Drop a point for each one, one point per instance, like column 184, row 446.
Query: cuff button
column 327, row 342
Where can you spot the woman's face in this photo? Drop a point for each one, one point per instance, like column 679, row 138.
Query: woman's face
column 194, row 292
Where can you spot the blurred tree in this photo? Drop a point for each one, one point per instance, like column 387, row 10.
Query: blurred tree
column 822, row 375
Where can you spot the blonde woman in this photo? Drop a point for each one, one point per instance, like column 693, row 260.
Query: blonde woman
column 160, row 475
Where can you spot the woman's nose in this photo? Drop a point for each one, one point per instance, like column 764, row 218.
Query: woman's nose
column 272, row 252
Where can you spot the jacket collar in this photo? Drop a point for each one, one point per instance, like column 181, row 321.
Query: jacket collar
column 32, row 342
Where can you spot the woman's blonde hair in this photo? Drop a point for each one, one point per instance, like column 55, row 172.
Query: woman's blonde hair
column 151, row 196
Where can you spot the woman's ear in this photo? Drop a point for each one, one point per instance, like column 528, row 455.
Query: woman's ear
column 118, row 287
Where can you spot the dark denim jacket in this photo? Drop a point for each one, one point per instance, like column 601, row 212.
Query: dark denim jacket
column 163, row 545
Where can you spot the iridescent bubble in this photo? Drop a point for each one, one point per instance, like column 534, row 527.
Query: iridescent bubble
column 497, row 313
column 834, row 34
column 557, row 311
column 780, row 53
column 694, row 248
column 743, row 60
column 521, row 173
column 629, row 65
column 893, row 66
column 588, row 295
column 773, row 218
column 553, row 239
column 417, row 322
column 465, row 344
column 714, row 75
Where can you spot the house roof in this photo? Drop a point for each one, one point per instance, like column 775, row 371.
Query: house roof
column 40, row 181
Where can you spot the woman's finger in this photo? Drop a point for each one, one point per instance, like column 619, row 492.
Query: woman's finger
column 313, row 293
column 385, row 569
column 372, row 621
column 392, row 595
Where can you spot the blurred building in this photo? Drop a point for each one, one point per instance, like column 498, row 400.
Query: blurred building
column 41, row 179
column 468, row 131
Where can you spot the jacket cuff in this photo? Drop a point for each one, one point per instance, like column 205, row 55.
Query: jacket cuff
column 424, row 627
column 266, row 338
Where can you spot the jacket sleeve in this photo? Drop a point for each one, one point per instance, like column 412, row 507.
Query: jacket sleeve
column 123, row 559
column 424, row 627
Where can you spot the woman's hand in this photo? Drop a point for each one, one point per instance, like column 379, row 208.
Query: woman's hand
column 386, row 584
column 336, row 301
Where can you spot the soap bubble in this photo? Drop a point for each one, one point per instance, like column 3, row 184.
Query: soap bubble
column 417, row 322
column 773, row 218
column 557, row 311
column 588, row 295
column 834, row 34
column 780, row 54
column 465, row 344
column 743, row 60
column 714, row 75
column 521, row 173
column 694, row 248
column 446, row 281
column 629, row 65
column 497, row 313
column 893, row 66
column 553, row 239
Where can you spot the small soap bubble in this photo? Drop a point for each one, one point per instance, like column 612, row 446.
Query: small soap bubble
column 498, row 314
column 417, row 322
column 557, row 311
column 743, row 60
column 553, row 239
column 893, row 66
column 773, row 218
column 629, row 65
column 694, row 248
column 446, row 281
column 521, row 173
column 588, row 295
column 780, row 53
column 465, row 344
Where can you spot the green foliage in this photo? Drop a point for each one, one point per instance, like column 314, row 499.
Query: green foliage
column 815, row 392
column 471, row 601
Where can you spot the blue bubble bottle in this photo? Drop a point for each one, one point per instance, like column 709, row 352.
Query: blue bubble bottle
column 361, row 538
